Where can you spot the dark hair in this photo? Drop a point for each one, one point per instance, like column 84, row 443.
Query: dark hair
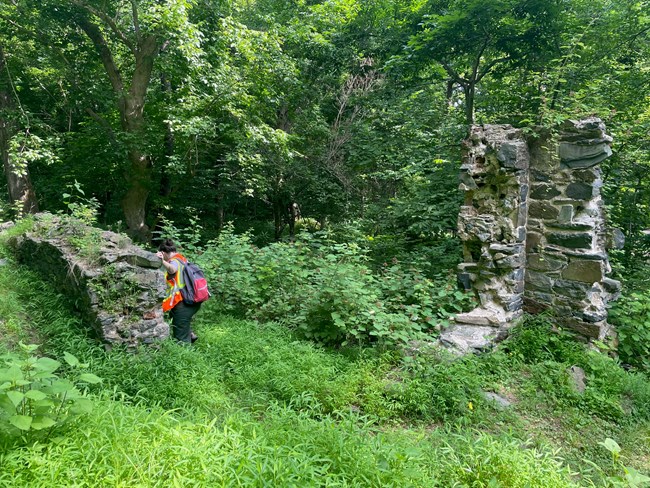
column 167, row 246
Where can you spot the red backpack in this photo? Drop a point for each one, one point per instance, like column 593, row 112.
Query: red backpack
column 196, row 286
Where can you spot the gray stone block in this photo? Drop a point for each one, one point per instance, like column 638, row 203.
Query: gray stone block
column 572, row 289
column 539, row 281
column 579, row 226
column 513, row 155
column 579, row 191
column 586, row 271
column 543, row 210
column 544, row 191
column 566, row 214
column 611, row 286
column 587, row 175
column 573, row 240
column 546, row 262
column 464, row 339
column 604, row 151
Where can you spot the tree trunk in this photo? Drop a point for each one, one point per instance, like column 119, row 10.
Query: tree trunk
column 293, row 213
column 131, row 107
column 138, row 178
column 469, row 90
column 19, row 184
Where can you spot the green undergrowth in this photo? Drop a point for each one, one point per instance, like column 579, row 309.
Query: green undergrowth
column 252, row 405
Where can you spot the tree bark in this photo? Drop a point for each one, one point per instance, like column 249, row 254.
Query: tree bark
column 19, row 184
column 469, row 90
column 131, row 104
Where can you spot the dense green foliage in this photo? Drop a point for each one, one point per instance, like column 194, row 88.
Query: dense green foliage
column 352, row 110
column 328, row 291
column 251, row 404
column 329, row 134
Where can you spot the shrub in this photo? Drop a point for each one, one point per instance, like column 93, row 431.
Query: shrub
column 631, row 316
column 536, row 339
column 33, row 398
column 327, row 291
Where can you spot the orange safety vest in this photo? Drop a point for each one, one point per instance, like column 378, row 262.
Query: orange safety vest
column 174, row 284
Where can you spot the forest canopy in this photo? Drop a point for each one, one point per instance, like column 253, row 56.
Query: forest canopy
column 201, row 112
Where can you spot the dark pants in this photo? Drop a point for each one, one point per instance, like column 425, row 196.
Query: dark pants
column 181, row 316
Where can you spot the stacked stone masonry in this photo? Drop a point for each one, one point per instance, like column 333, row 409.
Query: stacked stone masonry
column 533, row 231
column 118, row 292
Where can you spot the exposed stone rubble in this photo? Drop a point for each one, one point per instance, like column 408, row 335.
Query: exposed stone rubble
column 492, row 226
column 533, row 231
column 567, row 238
column 117, row 287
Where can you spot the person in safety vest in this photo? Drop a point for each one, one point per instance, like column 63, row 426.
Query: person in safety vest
column 180, row 313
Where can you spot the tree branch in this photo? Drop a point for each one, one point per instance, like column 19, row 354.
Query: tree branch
column 491, row 65
column 95, row 35
column 110, row 22
column 454, row 75
column 104, row 123
column 136, row 21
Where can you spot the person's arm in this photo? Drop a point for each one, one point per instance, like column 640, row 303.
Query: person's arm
column 170, row 267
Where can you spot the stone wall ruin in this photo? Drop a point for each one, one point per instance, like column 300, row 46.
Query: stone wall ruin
column 533, row 231
column 116, row 287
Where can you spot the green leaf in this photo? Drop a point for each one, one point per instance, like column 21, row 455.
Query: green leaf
column 28, row 347
column 59, row 386
column 12, row 374
column 611, row 445
column 48, row 365
column 23, row 422
column 70, row 359
column 16, row 397
column 634, row 478
column 82, row 405
column 6, row 404
column 41, row 422
column 35, row 395
column 90, row 378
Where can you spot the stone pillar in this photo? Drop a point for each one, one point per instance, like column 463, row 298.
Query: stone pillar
column 533, row 231
column 492, row 225
column 567, row 259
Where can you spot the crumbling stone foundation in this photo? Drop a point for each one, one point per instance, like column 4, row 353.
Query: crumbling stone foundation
column 116, row 287
column 533, row 231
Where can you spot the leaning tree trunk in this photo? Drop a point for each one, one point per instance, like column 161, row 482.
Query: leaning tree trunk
column 19, row 184
column 138, row 174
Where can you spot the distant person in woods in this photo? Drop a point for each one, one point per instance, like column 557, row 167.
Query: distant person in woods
column 180, row 312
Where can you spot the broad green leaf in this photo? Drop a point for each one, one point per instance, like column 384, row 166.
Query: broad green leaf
column 90, row 378
column 634, row 478
column 23, row 422
column 35, row 395
column 41, row 375
column 6, row 404
column 12, row 374
column 28, row 347
column 47, row 364
column 42, row 422
column 611, row 445
column 59, row 386
column 16, row 397
column 82, row 405
column 70, row 359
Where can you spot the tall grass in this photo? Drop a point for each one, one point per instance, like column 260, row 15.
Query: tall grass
column 126, row 446
column 250, row 405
